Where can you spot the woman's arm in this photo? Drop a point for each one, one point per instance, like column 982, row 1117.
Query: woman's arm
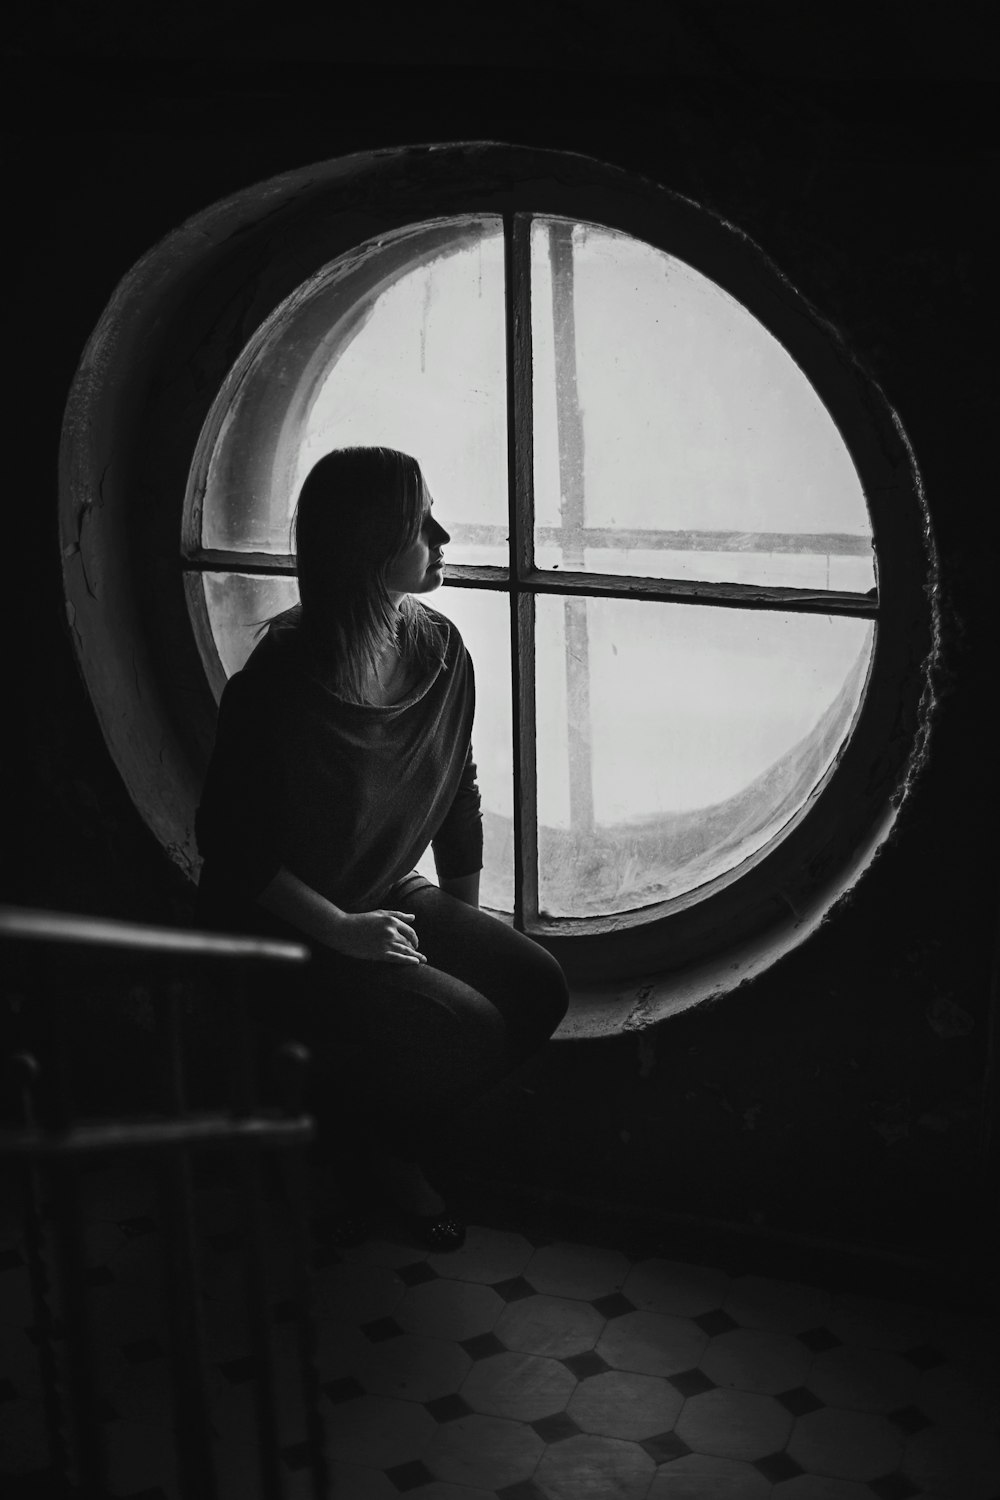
column 381, row 936
column 462, row 887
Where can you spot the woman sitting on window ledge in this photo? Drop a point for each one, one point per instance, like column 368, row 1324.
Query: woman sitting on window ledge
column 343, row 749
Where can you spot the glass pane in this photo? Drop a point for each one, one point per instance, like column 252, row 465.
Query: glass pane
column 239, row 607
column 400, row 344
column 674, row 436
column 674, row 741
column 483, row 617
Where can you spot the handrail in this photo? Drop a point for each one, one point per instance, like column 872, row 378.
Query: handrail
column 30, row 926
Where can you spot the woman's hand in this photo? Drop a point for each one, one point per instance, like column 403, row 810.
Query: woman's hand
column 381, row 936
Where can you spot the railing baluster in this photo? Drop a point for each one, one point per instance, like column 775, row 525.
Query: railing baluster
column 186, row 1336
column 25, row 1070
column 293, row 1062
column 248, row 1177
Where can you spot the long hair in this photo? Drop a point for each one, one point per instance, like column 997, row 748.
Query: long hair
column 358, row 509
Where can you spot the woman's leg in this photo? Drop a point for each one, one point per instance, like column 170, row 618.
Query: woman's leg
column 407, row 1047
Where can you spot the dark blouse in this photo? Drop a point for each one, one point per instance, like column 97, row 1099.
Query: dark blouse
column 344, row 795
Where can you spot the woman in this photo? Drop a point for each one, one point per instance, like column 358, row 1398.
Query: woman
column 343, row 750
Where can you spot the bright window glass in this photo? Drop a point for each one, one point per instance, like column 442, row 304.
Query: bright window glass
column 674, row 438
column 674, row 742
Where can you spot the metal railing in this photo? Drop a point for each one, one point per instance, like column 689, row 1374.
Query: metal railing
column 48, row 958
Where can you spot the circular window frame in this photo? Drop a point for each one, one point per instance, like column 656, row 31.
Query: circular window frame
column 176, row 326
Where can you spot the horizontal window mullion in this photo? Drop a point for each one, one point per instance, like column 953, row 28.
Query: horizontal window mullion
column 684, row 591
column 656, row 539
column 255, row 564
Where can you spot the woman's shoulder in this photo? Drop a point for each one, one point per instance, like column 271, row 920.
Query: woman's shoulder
column 450, row 635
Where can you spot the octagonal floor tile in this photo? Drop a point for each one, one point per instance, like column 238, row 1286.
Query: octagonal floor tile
column 845, row 1444
column 19, row 1362
column 488, row 1255
column 524, row 1387
column 756, row 1359
column 101, row 1241
column 817, row 1487
column 24, row 1443
column 670, row 1286
column 358, row 1482
column 594, row 1468
column 954, row 1463
column 863, row 1379
column 954, row 1398
column 565, row 1270
column 380, row 1252
column 340, row 1347
column 778, row 1306
column 440, row 1489
column 702, row 1477
column 484, row 1452
column 449, row 1309
column 626, row 1405
column 141, row 1456
column 378, row 1431
column 412, row 1366
column 652, row 1343
column 734, row 1424
column 879, row 1324
column 359, row 1293
column 558, row 1326
column 16, row 1307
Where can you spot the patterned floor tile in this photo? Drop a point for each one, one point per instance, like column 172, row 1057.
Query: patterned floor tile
column 439, row 1490
column 414, row 1367
column 484, row 1452
column 702, row 1477
column 525, row 1387
column 140, row 1456
column 488, row 1256
column 357, row 1482
column 863, row 1379
column 779, row 1306
column 734, row 1424
column 952, row 1398
column 667, row 1286
column 23, row 1440
column 379, row 1431
column 625, row 1405
column 846, row 1444
column 565, row 1270
column 557, row 1326
column 449, row 1309
column 595, row 1468
column 16, row 1307
column 101, row 1241
column 652, row 1343
column 954, row 1463
column 815, row 1487
column 878, row 1324
column 754, row 1359
column 359, row 1292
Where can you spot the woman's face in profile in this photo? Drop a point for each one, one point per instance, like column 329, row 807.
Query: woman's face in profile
column 419, row 568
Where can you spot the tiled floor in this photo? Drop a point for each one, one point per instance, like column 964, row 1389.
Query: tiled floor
column 526, row 1369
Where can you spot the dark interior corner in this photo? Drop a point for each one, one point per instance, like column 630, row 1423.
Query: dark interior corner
column 844, row 1103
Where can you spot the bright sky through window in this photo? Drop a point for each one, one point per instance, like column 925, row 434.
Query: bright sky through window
column 674, row 438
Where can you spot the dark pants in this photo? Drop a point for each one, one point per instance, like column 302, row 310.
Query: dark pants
column 399, row 1049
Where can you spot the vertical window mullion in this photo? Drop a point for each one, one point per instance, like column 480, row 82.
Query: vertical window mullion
column 521, row 510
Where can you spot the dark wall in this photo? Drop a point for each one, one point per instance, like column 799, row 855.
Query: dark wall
column 842, row 1094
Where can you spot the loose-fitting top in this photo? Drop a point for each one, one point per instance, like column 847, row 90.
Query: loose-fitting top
column 346, row 796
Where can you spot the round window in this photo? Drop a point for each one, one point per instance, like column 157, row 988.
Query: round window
column 688, row 550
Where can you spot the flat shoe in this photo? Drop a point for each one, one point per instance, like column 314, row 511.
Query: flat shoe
column 440, row 1232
